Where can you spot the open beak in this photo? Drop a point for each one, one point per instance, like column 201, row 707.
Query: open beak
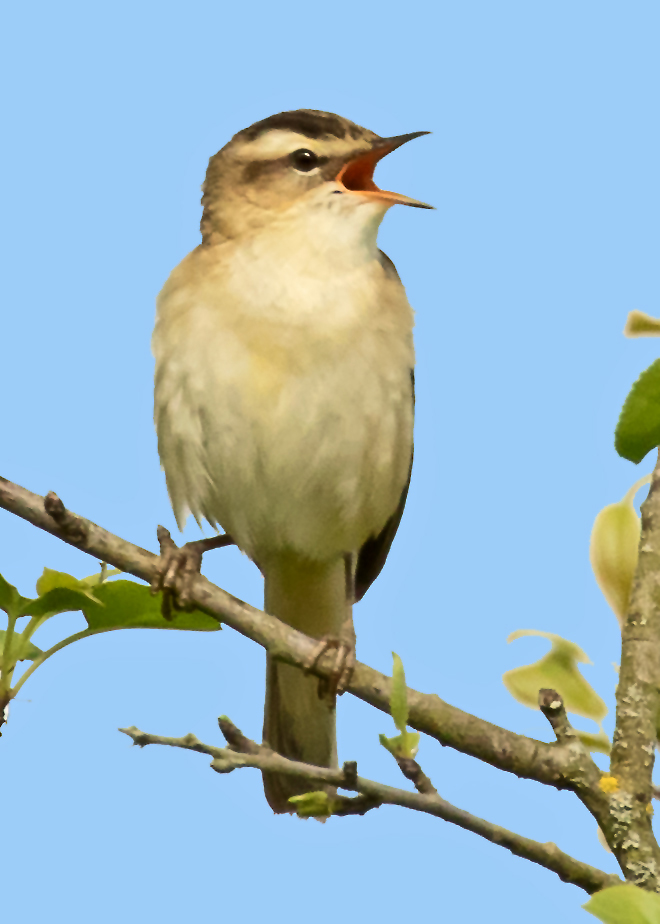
column 357, row 175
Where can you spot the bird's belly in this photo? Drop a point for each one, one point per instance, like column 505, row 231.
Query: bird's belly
column 328, row 468
column 291, row 450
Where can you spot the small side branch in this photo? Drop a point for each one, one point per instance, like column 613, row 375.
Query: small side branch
column 413, row 772
column 552, row 706
column 243, row 752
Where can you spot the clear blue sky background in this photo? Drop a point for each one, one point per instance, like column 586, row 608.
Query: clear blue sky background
column 543, row 167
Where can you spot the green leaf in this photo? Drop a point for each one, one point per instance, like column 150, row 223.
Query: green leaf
column 638, row 429
column 399, row 696
column 558, row 671
column 312, row 805
column 625, row 904
column 57, row 600
column 404, row 745
column 10, row 599
column 613, row 549
column 52, row 580
column 128, row 605
column 19, row 650
column 59, row 592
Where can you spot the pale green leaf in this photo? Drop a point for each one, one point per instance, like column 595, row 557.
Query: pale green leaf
column 410, row 743
column 558, row 671
column 128, row 605
column 640, row 324
column 613, row 549
column 625, row 904
column 10, row 599
column 57, row 600
column 20, row 649
column 595, row 742
column 52, row 580
column 404, row 745
column 312, row 804
column 388, row 743
column 399, row 696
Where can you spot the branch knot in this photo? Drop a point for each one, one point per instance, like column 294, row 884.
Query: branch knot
column 72, row 526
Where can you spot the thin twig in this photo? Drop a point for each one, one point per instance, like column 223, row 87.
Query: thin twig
column 372, row 794
column 497, row 746
column 413, row 772
column 236, row 739
column 354, row 805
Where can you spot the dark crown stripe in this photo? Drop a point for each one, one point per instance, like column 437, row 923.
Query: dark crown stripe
column 302, row 121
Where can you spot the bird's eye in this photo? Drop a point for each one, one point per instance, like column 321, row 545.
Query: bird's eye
column 304, row 160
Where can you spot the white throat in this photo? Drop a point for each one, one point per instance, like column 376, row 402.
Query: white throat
column 320, row 256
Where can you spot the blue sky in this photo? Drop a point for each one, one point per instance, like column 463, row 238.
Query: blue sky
column 543, row 168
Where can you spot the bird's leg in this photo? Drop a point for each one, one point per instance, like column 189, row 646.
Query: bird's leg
column 343, row 643
column 178, row 567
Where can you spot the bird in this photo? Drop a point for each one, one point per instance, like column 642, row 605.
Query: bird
column 284, row 398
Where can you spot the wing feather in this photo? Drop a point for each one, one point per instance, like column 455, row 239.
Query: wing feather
column 374, row 552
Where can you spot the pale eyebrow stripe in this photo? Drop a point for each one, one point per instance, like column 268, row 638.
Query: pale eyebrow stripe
column 279, row 143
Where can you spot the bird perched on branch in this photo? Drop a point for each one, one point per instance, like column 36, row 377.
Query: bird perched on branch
column 284, row 396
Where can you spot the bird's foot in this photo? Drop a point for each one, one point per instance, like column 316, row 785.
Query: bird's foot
column 345, row 658
column 178, row 569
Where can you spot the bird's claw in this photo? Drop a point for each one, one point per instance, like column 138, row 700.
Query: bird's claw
column 177, row 571
column 179, row 567
column 344, row 663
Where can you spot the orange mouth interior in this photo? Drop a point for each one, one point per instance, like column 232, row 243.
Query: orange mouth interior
column 358, row 175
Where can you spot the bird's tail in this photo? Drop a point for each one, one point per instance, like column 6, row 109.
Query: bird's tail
column 299, row 720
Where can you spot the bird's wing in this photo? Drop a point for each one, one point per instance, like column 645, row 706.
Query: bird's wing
column 374, row 552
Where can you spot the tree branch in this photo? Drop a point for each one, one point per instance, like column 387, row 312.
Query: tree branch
column 246, row 753
column 526, row 757
column 629, row 832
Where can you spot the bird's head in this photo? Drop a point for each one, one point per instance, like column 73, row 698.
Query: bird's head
column 301, row 163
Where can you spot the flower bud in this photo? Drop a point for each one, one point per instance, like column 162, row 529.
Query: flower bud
column 614, row 550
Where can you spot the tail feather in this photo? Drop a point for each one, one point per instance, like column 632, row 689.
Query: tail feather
column 299, row 721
